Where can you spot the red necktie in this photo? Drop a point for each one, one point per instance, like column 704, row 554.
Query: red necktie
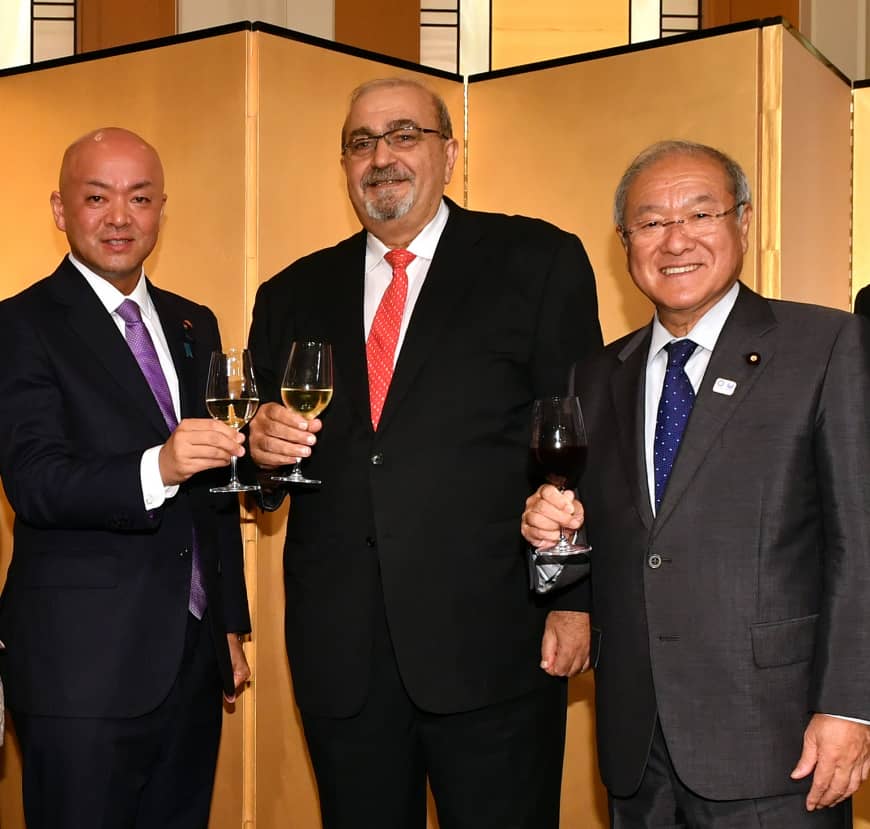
column 384, row 334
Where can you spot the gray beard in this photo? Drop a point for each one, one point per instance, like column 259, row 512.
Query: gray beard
column 387, row 208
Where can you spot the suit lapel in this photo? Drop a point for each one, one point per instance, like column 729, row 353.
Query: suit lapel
column 345, row 330
column 176, row 333
column 627, row 390
column 450, row 277
column 743, row 335
column 96, row 330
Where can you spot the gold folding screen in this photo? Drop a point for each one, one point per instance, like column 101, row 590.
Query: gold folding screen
column 247, row 123
column 861, row 190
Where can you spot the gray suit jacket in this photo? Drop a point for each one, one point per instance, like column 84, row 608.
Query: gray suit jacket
column 741, row 608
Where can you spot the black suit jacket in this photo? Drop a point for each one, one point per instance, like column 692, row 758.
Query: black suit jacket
column 426, row 507
column 94, row 608
column 862, row 301
column 754, row 613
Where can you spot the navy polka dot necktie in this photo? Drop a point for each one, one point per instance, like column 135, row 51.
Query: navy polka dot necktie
column 675, row 406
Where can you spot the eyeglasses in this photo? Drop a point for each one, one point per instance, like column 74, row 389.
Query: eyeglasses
column 694, row 224
column 400, row 140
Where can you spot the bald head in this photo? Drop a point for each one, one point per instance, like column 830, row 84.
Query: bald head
column 105, row 142
column 109, row 203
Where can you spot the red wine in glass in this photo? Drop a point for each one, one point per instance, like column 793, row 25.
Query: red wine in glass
column 559, row 446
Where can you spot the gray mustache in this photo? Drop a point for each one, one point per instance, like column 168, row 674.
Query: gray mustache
column 385, row 174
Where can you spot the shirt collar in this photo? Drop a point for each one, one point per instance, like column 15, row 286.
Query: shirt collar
column 422, row 246
column 110, row 296
column 706, row 330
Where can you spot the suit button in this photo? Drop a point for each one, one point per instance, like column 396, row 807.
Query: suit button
column 370, row 542
column 654, row 561
column 377, row 459
column 184, row 552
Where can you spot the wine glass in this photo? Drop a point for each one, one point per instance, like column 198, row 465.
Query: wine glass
column 559, row 446
column 306, row 389
column 231, row 397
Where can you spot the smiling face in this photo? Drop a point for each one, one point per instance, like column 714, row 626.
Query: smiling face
column 110, row 203
column 396, row 193
column 684, row 275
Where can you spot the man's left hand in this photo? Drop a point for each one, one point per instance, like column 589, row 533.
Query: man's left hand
column 241, row 669
column 565, row 645
column 839, row 751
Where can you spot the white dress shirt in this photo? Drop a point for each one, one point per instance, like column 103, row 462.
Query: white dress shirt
column 154, row 492
column 379, row 273
column 705, row 333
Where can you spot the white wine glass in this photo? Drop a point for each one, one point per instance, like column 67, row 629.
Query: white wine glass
column 306, row 389
column 231, row 397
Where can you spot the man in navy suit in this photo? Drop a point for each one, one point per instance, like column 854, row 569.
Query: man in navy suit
column 725, row 497
column 125, row 598
column 414, row 645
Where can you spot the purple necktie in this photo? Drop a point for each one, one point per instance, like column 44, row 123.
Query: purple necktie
column 142, row 346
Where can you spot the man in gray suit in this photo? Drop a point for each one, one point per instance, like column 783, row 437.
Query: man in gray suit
column 727, row 501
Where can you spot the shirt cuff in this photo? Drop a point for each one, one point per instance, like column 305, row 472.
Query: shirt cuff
column 850, row 719
column 154, row 492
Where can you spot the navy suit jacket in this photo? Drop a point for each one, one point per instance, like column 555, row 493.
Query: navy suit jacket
column 94, row 609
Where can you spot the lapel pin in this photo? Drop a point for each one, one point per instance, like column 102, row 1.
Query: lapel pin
column 187, row 325
column 724, row 386
column 753, row 358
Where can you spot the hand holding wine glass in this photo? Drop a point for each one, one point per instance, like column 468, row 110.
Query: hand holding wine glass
column 231, row 397
column 306, row 389
column 559, row 446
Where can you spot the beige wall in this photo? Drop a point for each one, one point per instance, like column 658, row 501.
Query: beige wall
column 523, row 32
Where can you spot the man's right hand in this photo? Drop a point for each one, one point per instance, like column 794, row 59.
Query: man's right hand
column 195, row 445
column 546, row 511
column 279, row 436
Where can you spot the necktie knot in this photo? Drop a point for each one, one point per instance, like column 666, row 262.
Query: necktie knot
column 399, row 259
column 679, row 352
column 129, row 311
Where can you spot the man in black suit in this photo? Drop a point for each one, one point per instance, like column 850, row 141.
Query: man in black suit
column 414, row 644
column 125, row 597
column 725, row 500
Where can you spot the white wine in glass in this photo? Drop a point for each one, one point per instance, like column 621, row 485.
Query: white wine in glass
column 306, row 389
column 231, row 397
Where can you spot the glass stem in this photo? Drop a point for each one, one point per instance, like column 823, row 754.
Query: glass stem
column 234, row 478
column 563, row 541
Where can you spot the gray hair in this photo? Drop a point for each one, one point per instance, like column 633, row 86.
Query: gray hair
column 445, row 125
column 738, row 183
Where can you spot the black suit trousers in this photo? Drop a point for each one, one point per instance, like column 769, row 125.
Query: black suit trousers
column 497, row 767
column 150, row 772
